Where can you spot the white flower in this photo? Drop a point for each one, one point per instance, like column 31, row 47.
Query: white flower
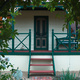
column 59, row 1
column 6, row 59
column 63, row 1
column 4, row 19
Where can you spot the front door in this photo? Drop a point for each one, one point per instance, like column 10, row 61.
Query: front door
column 41, row 33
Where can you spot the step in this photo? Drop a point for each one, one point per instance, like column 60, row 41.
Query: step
column 41, row 58
column 41, row 64
column 41, row 71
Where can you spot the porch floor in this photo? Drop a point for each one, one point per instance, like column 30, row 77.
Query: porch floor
column 43, row 51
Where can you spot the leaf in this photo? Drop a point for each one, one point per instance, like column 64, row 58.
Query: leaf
column 6, row 63
column 63, row 28
column 2, row 55
column 11, row 65
column 5, row 50
column 8, row 66
column 71, row 22
column 33, row 8
column 54, row 9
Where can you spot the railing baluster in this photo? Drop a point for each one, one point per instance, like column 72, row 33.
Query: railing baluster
column 29, row 40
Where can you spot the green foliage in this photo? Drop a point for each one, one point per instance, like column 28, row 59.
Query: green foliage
column 72, row 7
column 74, row 12
column 7, row 32
column 64, row 26
column 5, row 64
column 6, row 76
column 71, row 22
column 68, row 76
column 14, row 14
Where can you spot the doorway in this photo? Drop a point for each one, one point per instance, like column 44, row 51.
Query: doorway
column 41, row 33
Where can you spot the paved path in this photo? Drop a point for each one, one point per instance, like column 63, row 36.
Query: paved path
column 39, row 78
column 36, row 77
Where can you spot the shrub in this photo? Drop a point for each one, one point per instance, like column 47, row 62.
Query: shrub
column 67, row 76
column 5, row 64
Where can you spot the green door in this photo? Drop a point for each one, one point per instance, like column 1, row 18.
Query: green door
column 41, row 33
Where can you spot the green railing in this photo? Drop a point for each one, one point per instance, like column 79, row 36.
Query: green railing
column 27, row 44
column 53, row 53
column 64, row 41
column 29, row 52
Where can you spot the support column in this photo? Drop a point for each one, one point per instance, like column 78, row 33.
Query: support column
column 69, row 37
column 12, row 30
column 29, row 52
column 53, row 52
column 30, row 40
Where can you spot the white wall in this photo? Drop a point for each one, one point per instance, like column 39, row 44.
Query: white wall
column 67, row 62
column 19, row 61
column 25, row 22
column 61, row 63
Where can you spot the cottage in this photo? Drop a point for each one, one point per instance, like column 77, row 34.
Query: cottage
column 42, row 46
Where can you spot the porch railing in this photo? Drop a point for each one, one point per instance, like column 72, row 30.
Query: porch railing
column 26, row 44
column 68, row 41
column 64, row 41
